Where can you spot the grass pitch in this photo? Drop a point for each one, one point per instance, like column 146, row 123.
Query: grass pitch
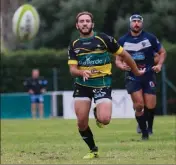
column 56, row 141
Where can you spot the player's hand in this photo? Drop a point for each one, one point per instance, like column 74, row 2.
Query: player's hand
column 31, row 91
column 43, row 90
column 86, row 74
column 140, row 72
column 157, row 68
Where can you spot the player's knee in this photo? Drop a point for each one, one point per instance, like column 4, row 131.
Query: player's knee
column 82, row 125
column 151, row 105
column 105, row 120
column 138, row 106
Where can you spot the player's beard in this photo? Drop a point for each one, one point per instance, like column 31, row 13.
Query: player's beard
column 86, row 33
column 138, row 30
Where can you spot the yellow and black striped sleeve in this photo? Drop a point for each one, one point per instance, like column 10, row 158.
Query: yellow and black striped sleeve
column 72, row 59
column 111, row 44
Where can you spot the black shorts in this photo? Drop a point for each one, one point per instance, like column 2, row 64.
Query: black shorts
column 92, row 93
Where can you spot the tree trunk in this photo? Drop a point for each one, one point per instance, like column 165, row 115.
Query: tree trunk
column 8, row 8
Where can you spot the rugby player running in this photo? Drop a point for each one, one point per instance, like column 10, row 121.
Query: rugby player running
column 89, row 62
column 148, row 53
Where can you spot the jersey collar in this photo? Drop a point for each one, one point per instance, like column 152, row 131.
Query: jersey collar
column 84, row 39
column 129, row 33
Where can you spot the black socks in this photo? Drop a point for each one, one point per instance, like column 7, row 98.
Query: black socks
column 150, row 117
column 87, row 136
column 142, row 123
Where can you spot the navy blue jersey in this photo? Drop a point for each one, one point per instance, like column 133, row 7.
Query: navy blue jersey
column 35, row 84
column 142, row 49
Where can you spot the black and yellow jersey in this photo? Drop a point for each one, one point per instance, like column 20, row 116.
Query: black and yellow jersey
column 94, row 54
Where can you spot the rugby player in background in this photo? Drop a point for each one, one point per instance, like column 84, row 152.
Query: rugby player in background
column 148, row 53
column 36, row 86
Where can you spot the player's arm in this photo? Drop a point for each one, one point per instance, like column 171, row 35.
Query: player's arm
column 162, row 56
column 121, row 64
column 119, row 60
column 161, row 52
column 76, row 72
column 44, row 85
column 156, row 58
column 27, row 85
column 73, row 65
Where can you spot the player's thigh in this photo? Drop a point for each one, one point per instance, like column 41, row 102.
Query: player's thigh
column 149, row 91
column 33, row 106
column 103, row 101
column 40, row 106
column 149, row 85
column 132, row 86
column 34, row 102
column 137, row 98
column 82, row 108
column 150, row 100
column 82, row 102
column 40, row 100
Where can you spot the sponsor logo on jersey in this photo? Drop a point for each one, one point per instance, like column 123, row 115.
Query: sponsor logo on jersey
column 138, row 56
column 90, row 62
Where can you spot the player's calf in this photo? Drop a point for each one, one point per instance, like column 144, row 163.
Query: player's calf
column 99, row 124
column 138, row 129
column 150, row 119
column 141, row 119
column 150, row 104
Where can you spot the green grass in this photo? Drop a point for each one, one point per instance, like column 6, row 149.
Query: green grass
column 56, row 141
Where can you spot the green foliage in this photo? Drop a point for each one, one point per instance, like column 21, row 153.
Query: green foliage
column 159, row 18
column 170, row 61
column 170, row 74
column 58, row 19
column 17, row 65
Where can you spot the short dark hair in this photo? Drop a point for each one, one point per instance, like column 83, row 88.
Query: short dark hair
column 84, row 13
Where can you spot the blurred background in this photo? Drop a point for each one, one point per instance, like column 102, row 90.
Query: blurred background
column 48, row 50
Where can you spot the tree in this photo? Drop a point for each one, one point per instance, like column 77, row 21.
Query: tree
column 8, row 7
column 159, row 18
column 58, row 20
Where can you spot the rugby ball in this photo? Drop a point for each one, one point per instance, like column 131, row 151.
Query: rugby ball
column 25, row 22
